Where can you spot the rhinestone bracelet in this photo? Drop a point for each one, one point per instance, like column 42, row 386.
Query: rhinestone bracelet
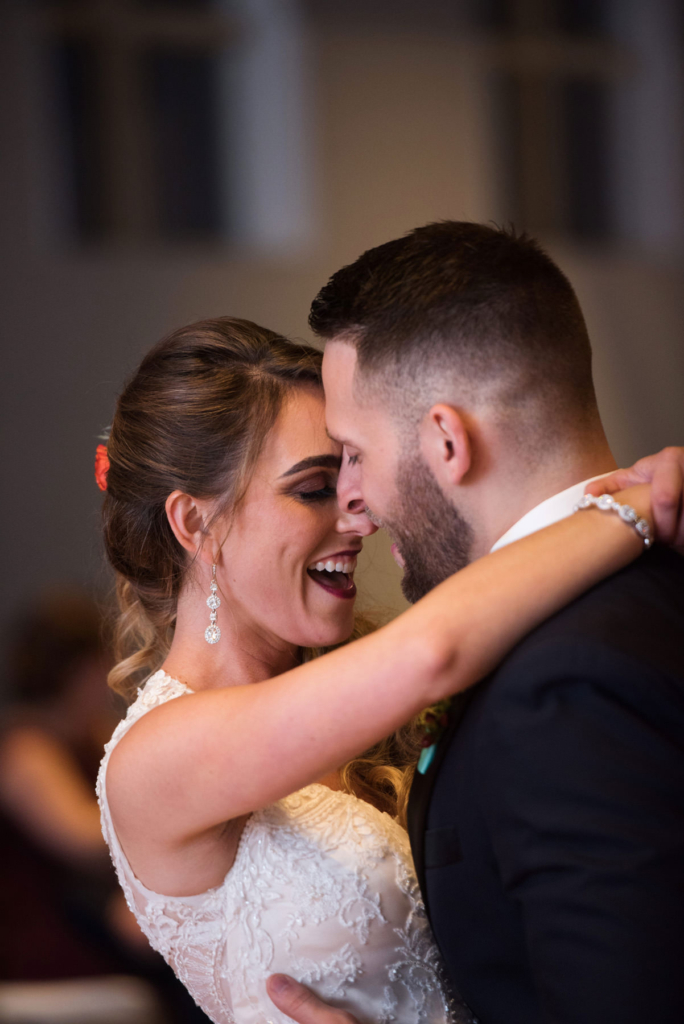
column 629, row 515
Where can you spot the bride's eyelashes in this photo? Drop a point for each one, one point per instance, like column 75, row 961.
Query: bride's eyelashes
column 322, row 494
column 317, row 489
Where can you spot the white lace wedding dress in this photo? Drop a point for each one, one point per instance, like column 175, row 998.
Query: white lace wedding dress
column 322, row 888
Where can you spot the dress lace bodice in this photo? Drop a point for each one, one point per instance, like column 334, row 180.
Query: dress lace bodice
column 322, row 888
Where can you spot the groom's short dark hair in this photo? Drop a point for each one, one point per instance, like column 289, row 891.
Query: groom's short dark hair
column 467, row 299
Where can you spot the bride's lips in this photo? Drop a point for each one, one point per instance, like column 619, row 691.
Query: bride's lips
column 334, row 574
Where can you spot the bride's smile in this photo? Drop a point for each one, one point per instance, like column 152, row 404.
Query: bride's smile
column 335, row 573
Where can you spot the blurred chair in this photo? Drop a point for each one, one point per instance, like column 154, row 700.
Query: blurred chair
column 70, row 950
column 116, row 999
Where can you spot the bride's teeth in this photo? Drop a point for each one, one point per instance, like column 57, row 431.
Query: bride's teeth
column 330, row 566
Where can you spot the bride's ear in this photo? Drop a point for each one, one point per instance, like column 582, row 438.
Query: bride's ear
column 445, row 445
column 186, row 518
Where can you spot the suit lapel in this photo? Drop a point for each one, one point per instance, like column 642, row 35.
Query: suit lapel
column 422, row 786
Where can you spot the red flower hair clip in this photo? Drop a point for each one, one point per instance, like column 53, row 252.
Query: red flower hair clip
column 101, row 466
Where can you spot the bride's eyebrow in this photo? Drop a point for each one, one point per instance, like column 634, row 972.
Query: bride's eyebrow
column 314, row 462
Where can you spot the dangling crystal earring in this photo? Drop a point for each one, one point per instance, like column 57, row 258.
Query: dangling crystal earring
column 212, row 634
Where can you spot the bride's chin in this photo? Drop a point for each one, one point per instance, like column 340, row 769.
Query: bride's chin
column 329, row 636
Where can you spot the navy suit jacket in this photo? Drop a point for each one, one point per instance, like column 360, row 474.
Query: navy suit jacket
column 548, row 834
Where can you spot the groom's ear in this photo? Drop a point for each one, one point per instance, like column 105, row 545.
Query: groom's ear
column 445, row 444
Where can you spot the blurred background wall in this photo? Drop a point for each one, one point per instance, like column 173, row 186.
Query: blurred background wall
column 167, row 160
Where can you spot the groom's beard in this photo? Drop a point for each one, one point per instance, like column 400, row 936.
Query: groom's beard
column 434, row 538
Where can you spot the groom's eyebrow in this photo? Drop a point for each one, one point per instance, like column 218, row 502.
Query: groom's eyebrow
column 314, row 462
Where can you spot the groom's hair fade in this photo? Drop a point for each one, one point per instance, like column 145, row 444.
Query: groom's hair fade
column 483, row 309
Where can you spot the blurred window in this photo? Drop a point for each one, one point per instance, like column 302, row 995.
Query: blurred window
column 174, row 3
column 138, row 86
column 179, row 91
column 586, row 17
column 554, row 72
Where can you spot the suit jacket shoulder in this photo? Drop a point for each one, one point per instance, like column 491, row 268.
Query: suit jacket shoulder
column 553, row 821
column 637, row 613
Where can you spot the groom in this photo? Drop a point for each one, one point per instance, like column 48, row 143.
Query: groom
column 548, row 831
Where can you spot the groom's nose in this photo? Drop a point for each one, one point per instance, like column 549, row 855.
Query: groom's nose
column 354, row 505
column 349, row 494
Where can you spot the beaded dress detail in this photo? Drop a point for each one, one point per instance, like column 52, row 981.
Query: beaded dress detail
column 322, row 888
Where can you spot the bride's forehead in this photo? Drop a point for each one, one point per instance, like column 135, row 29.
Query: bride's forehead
column 299, row 431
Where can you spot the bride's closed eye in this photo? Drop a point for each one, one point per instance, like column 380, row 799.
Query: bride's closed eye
column 318, row 488
column 321, row 494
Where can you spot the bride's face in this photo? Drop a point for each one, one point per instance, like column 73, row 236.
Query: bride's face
column 289, row 554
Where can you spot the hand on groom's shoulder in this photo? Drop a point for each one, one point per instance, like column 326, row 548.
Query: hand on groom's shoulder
column 665, row 473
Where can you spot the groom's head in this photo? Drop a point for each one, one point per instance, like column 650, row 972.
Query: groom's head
column 458, row 376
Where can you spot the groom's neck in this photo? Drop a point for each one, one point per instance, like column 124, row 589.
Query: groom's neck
column 511, row 491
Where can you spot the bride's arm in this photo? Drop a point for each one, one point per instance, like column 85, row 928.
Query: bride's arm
column 201, row 760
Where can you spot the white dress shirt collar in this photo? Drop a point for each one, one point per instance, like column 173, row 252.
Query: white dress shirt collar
column 552, row 510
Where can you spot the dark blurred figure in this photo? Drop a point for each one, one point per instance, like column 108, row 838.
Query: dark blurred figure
column 62, row 914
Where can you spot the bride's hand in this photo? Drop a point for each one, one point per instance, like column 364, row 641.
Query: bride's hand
column 665, row 473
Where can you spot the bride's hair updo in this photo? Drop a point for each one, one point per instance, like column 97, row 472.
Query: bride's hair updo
column 194, row 418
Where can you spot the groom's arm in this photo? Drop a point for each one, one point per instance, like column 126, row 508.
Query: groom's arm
column 583, row 781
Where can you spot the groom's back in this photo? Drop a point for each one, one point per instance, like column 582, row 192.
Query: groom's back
column 554, row 850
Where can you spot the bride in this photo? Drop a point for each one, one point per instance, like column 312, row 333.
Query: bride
column 249, row 833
